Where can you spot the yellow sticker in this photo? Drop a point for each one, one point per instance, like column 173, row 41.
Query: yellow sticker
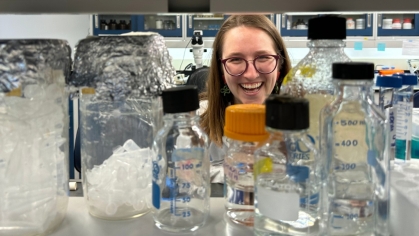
column 263, row 166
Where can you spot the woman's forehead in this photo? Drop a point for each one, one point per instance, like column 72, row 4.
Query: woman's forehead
column 247, row 40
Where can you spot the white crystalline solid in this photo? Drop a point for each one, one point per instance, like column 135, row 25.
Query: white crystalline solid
column 122, row 179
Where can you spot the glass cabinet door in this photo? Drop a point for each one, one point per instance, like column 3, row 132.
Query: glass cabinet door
column 167, row 25
column 358, row 24
column 296, row 24
column 208, row 23
column 397, row 24
column 113, row 24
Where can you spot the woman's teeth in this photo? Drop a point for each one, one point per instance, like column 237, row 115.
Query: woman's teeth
column 251, row 86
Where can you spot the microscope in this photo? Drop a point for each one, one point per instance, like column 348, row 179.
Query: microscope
column 197, row 48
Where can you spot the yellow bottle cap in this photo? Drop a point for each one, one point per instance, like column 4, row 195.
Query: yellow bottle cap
column 245, row 122
column 87, row 91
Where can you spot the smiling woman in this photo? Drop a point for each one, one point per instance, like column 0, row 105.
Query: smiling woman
column 249, row 62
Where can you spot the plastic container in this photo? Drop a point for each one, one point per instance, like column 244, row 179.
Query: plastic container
column 244, row 131
column 34, row 131
column 119, row 116
column 356, row 146
column 387, row 23
column 396, row 24
column 181, row 166
column 407, row 23
column 289, row 194
column 311, row 77
column 415, row 134
column 360, row 23
column 350, row 23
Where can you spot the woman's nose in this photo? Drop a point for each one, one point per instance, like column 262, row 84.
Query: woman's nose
column 251, row 71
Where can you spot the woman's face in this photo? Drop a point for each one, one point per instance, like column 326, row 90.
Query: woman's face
column 248, row 43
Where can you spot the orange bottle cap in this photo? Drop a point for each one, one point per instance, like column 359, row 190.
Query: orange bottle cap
column 245, row 122
column 390, row 72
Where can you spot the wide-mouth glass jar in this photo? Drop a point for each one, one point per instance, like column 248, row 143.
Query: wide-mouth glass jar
column 34, row 127
column 120, row 78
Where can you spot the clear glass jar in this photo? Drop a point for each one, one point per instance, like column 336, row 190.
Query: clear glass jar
column 34, row 127
column 120, row 113
column 289, row 188
column 355, row 134
column 311, row 77
column 116, row 137
column 181, row 165
column 244, row 131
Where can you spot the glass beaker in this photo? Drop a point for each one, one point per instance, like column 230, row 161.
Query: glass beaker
column 116, row 137
column 34, row 135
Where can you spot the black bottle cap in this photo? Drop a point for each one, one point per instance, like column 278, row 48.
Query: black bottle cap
column 353, row 70
column 180, row 99
column 287, row 113
column 327, row 27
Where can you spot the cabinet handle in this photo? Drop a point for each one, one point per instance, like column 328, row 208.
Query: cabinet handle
column 379, row 20
column 190, row 21
column 369, row 20
column 178, row 21
column 96, row 21
column 284, row 20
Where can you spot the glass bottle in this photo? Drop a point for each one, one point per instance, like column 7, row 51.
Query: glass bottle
column 403, row 104
column 34, row 135
column 356, row 145
column 288, row 188
column 311, row 77
column 181, row 180
column 244, row 130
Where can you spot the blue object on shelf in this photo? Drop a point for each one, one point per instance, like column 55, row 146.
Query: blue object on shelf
column 381, row 47
column 358, row 46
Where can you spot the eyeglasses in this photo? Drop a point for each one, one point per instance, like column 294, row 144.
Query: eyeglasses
column 264, row 64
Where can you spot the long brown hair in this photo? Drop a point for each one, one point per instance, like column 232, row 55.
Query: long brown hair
column 212, row 120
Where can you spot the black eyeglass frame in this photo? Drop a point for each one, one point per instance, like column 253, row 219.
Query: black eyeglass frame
column 223, row 61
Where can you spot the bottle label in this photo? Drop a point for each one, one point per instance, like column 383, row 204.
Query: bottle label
column 290, row 203
column 239, row 197
column 231, row 172
column 155, row 188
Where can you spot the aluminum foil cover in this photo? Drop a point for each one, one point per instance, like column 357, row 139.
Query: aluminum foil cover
column 121, row 67
column 33, row 61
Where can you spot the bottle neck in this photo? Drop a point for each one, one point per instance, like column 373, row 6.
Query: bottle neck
column 353, row 89
column 182, row 118
column 329, row 44
column 286, row 134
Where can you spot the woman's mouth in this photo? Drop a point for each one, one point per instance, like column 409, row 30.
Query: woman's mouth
column 251, row 88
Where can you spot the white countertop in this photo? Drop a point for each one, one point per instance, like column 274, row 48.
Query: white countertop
column 78, row 222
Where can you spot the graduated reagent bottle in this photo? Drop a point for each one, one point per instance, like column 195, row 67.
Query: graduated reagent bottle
column 356, row 143
column 181, row 180
column 288, row 189
column 311, row 77
column 244, row 131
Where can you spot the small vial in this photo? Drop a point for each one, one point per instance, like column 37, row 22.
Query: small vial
column 403, row 105
column 288, row 188
column 244, row 130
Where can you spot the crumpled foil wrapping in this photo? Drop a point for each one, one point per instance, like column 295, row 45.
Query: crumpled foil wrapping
column 29, row 61
column 121, row 67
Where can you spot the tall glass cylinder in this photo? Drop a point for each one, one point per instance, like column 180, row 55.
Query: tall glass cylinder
column 34, row 128
column 120, row 113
